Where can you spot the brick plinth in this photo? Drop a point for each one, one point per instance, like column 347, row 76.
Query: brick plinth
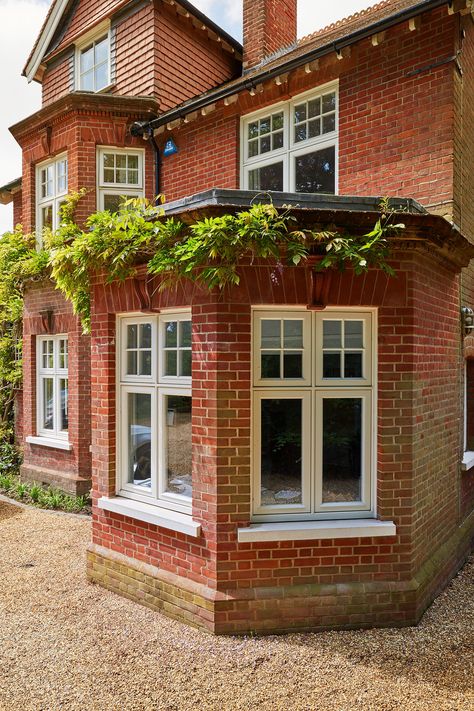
column 69, row 482
column 271, row 610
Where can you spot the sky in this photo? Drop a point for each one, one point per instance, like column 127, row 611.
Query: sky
column 21, row 20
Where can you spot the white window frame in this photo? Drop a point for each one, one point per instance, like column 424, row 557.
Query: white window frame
column 92, row 38
column 56, row 199
column 119, row 189
column 56, row 374
column 291, row 149
column 317, row 389
column 158, row 387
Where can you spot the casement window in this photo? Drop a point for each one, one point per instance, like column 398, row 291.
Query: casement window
column 52, row 387
column 154, row 430
column 293, row 146
column 120, row 175
column 468, row 456
column 93, row 64
column 51, row 191
column 313, row 414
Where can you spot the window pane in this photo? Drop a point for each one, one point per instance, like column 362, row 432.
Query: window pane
column 293, row 365
column 293, row 334
column 300, row 133
column 332, row 334
column 314, row 128
column 185, row 368
column 102, row 50
column 132, row 363
column 265, row 144
column 265, row 125
column 171, row 363
column 113, row 203
column 331, row 365
column 101, row 76
column 353, row 334
column 64, row 393
column 185, row 334
column 281, row 454
column 121, row 176
column 48, row 404
column 353, row 365
column 253, row 129
column 269, row 177
column 48, row 354
column 253, row 149
column 171, row 334
column 47, row 217
column 342, row 449
column 178, row 445
column 277, row 140
column 87, row 59
column 109, row 160
column 63, row 354
column 329, row 123
column 300, row 113
column 120, row 160
column 329, row 102
column 132, row 335
column 87, row 81
column 314, row 107
column 315, row 172
column 271, row 333
column 277, row 122
column 139, row 439
column 145, row 335
column 270, row 365
column 145, row 362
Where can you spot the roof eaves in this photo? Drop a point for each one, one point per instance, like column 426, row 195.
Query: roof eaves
column 9, row 190
column 45, row 36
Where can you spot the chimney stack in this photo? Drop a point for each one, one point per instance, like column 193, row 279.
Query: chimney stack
column 269, row 26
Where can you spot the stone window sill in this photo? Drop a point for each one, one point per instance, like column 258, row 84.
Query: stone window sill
column 183, row 523
column 316, row 530
column 53, row 443
column 467, row 461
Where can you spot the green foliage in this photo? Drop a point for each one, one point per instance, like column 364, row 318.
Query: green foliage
column 209, row 251
column 20, row 263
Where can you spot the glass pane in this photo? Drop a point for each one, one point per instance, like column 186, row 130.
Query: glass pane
column 185, row 334
column 178, row 445
column 331, row 365
column 253, row 149
column 353, row 334
column 48, row 404
column 87, row 59
column 120, row 160
column 329, row 102
column 271, row 365
column 353, row 365
column 48, row 354
column 329, row 123
column 342, row 449
column 101, row 75
column 63, row 354
column 293, row 334
column 281, row 454
column 145, row 362
column 292, row 365
column 132, row 162
column 47, row 217
column 277, row 140
column 300, row 133
column 171, row 363
column 185, row 367
column 145, row 335
column 265, row 144
column 132, row 365
column 277, row 122
column 121, row 176
column 102, row 50
column 314, row 128
column 132, row 177
column 109, row 175
column 171, row 334
column 300, row 113
column 87, row 81
column 109, row 160
column 113, row 203
column 314, row 107
column 269, row 177
column 139, row 439
column 315, row 172
column 64, row 393
column 332, row 334
column 265, row 125
column 132, row 334
column 253, row 129
column 271, row 333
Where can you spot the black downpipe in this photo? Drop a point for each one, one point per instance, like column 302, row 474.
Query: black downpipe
column 156, row 151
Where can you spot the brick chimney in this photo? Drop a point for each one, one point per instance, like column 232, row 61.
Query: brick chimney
column 269, row 26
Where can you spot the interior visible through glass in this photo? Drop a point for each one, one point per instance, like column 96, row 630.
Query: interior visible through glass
column 178, row 445
column 139, row 439
column 342, row 449
column 281, row 451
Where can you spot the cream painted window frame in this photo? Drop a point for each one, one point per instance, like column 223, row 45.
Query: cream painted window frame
column 366, row 508
column 157, row 387
column 55, row 200
column 91, row 39
column 291, row 149
column 119, row 189
column 56, row 374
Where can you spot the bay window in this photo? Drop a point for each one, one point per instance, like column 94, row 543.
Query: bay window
column 120, row 175
column 52, row 387
column 293, row 147
column 313, row 414
column 154, row 435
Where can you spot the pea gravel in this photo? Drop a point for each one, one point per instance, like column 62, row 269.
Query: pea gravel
column 67, row 644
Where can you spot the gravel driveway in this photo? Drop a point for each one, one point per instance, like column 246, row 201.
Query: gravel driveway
column 66, row 644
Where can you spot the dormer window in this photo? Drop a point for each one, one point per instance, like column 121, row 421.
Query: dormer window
column 93, row 64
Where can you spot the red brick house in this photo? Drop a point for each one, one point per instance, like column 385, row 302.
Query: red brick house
column 295, row 452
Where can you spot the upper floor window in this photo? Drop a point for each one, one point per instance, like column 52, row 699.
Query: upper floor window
column 120, row 175
column 293, row 147
column 93, row 64
column 51, row 189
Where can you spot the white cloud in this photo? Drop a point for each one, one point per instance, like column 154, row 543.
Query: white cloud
column 21, row 20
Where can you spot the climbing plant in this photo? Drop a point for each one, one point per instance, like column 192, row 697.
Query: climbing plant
column 208, row 251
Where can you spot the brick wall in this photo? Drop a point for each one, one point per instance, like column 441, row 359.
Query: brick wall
column 269, row 26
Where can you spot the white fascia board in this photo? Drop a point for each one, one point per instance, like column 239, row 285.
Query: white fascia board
column 45, row 38
column 183, row 523
column 316, row 530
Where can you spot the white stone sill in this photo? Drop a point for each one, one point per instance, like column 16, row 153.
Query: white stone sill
column 316, row 530
column 53, row 443
column 183, row 523
column 467, row 461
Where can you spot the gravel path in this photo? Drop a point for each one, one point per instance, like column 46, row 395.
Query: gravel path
column 66, row 644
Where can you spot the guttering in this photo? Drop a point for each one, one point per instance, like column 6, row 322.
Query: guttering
column 264, row 75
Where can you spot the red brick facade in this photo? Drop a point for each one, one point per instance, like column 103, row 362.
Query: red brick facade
column 404, row 129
